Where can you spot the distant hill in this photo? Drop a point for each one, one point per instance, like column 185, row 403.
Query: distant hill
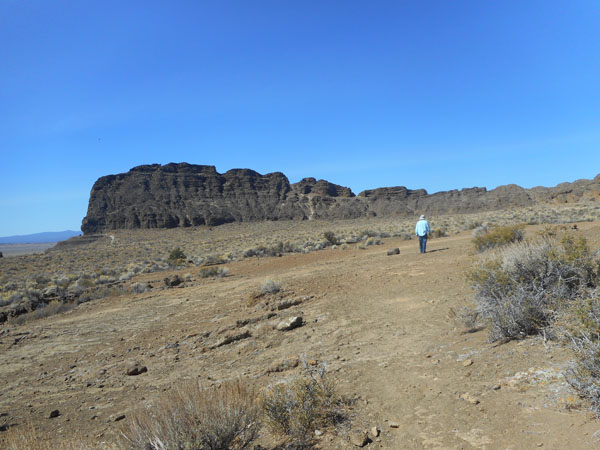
column 40, row 238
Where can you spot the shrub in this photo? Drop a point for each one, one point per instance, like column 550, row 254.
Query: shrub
column 331, row 238
column 294, row 408
column 56, row 307
column 480, row 230
column 439, row 233
column 277, row 249
column 270, row 287
column 520, row 289
column 213, row 260
column 226, row 417
column 139, row 288
column 214, row 272
column 372, row 241
column 498, row 236
column 581, row 331
column 176, row 257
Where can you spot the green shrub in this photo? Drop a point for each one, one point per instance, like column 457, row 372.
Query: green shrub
column 176, row 257
column 520, row 289
column 191, row 418
column 294, row 408
column 498, row 236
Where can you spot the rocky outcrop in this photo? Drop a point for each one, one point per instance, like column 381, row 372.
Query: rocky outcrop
column 180, row 195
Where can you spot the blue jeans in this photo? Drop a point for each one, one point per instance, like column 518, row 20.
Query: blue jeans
column 422, row 243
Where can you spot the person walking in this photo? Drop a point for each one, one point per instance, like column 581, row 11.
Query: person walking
column 422, row 230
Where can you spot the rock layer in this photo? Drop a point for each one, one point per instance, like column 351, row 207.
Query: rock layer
column 180, row 195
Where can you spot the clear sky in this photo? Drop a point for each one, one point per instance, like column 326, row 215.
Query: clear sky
column 424, row 94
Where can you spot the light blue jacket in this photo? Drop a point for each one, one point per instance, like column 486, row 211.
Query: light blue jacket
column 422, row 228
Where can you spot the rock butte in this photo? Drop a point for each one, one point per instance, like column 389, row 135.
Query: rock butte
column 181, row 195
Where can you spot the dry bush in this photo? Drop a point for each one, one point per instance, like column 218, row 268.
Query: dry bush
column 53, row 308
column 278, row 248
column 520, row 289
column 270, row 287
column 580, row 329
column 296, row 407
column 331, row 237
column 480, row 230
column 372, row 241
column 189, row 417
column 439, row 233
column 214, row 271
column 139, row 288
column 498, row 236
column 213, row 260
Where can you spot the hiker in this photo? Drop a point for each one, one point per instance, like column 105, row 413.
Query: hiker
column 422, row 230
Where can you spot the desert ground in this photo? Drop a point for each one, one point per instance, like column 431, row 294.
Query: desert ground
column 387, row 329
column 23, row 249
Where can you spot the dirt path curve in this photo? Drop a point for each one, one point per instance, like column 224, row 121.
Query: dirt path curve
column 383, row 325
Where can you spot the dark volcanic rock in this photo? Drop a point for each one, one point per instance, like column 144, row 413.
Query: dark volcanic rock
column 181, row 195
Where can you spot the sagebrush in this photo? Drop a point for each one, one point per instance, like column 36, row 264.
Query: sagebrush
column 496, row 237
column 520, row 289
column 190, row 417
column 296, row 407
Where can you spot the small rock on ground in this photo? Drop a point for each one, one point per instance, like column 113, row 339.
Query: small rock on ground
column 359, row 438
column 136, row 369
column 290, row 324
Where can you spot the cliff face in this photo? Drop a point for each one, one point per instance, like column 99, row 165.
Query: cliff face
column 180, row 195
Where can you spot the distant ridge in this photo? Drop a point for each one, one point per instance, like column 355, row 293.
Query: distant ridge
column 40, row 238
column 182, row 195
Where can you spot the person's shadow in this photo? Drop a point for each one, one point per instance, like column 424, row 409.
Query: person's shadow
column 437, row 250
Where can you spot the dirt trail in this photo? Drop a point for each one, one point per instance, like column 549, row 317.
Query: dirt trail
column 383, row 324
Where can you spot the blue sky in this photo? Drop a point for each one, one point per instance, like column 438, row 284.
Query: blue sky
column 424, row 94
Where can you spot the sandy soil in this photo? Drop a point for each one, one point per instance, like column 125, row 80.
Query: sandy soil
column 384, row 325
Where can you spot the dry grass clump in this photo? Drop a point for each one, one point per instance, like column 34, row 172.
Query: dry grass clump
column 439, row 233
column 296, row 407
column 497, row 237
column 42, row 311
column 270, row 287
column 279, row 248
column 521, row 288
column 214, row 271
column 331, row 237
column 189, row 417
column 139, row 288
